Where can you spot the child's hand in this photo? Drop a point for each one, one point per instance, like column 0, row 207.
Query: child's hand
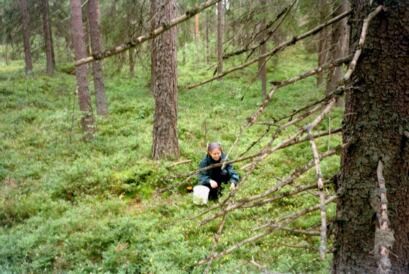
column 213, row 184
column 232, row 186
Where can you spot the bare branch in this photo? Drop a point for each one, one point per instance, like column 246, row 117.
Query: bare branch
column 384, row 238
column 320, row 184
column 277, row 49
column 361, row 43
column 270, row 228
column 139, row 40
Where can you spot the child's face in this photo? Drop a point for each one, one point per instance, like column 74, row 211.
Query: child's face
column 215, row 154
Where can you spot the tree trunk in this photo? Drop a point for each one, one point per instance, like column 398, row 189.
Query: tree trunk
column 376, row 126
column 262, row 62
column 131, row 62
column 49, row 51
column 220, row 32
column 339, row 47
column 322, row 39
column 94, row 30
column 164, row 86
column 197, row 27
column 26, row 36
column 207, row 36
column 153, row 43
column 87, row 119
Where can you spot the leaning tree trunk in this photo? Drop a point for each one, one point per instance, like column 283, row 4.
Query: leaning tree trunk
column 164, row 86
column 94, row 30
column 376, row 128
column 26, row 36
column 87, row 119
column 50, row 63
column 220, row 34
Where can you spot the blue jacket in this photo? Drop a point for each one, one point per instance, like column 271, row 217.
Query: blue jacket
column 228, row 174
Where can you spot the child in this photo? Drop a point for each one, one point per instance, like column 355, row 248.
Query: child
column 213, row 178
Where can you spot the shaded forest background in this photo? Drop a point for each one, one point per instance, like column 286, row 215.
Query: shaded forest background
column 84, row 188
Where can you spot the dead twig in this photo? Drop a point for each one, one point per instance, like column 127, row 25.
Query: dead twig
column 277, row 49
column 139, row 40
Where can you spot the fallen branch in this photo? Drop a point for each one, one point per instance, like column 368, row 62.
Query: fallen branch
column 277, row 49
column 139, row 40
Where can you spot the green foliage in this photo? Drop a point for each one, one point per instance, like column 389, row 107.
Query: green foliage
column 75, row 207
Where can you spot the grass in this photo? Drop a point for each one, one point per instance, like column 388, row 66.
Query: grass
column 69, row 206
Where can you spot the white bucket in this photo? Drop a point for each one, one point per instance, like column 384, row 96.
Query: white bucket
column 200, row 195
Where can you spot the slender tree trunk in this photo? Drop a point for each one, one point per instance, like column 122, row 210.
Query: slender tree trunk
column 131, row 62
column 322, row 39
column 262, row 62
column 220, row 34
column 153, row 44
column 49, row 51
column 93, row 20
column 197, row 27
column 164, row 88
column 207, row 37
column 376, row 127
column 26, row 36
column 339, row 47
column 84, row 99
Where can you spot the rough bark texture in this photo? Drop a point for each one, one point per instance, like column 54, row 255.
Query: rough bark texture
column 87, row 119
column 25, row 18
column 220, row 32
column 95, row 34
column 50, row 63
column 376, row 117
column 164, row 86
column 339, row 46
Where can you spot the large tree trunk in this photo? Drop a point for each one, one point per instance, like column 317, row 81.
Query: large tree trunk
column 164, row 85
column 87, row 119
column 339, row 47
column 49, row 51
column 94, row 30
column 26, row 36
column 220, row 34
column 375, row 121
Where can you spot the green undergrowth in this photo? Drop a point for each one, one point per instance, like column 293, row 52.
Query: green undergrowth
column 105, row 206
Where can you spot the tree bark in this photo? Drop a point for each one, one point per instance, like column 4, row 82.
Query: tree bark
column 164, row 85
column 220, row 34
column 95, row 34
column 262, row 62
column 87, row 119
column 153, row 43
column 375, row 119
column 339, row 47
column 25, row 18
column 131, row 62
column 49, row 51
column 322, row 39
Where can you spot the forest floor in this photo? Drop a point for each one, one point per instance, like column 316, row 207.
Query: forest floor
column 70, row 206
